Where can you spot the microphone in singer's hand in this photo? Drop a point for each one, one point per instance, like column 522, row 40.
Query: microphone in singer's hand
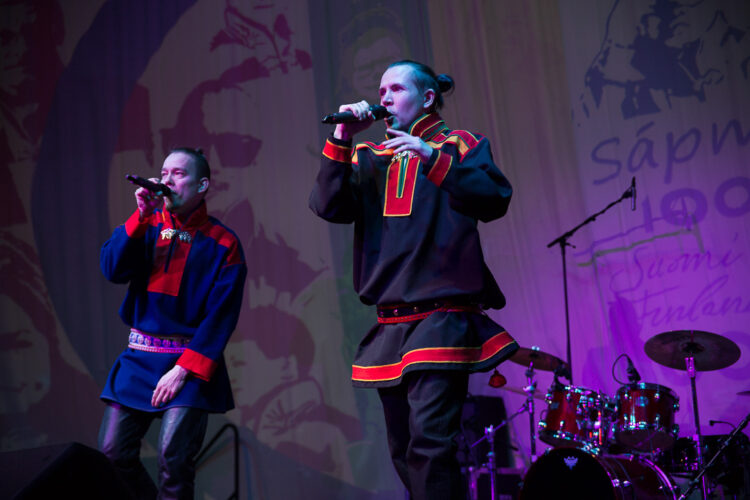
column 155, row 187
column 378, row 113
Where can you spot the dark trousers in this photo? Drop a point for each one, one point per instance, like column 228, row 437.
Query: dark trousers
column 423, row 416
column 180, row 438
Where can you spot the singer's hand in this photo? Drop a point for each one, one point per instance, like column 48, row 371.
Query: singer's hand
column 361, row 110
column 169, row 385
column 403, row 141
column 147, row 201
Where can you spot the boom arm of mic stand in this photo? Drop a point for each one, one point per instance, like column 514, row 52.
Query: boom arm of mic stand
column 697, row 479
column 562, row 240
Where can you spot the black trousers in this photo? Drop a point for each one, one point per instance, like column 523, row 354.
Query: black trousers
column 423, row 417
column 180, row 439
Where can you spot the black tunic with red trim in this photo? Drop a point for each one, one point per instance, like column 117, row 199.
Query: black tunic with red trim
column 416, row 242
column 180, row 287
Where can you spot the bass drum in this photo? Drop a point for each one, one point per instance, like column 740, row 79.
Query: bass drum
column 570, row 473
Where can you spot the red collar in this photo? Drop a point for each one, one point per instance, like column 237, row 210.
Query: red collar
column 426, row 126
column 197, row 218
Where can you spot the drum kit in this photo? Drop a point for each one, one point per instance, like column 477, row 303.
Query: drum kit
column 627, row 446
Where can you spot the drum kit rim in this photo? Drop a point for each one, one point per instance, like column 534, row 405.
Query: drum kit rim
column 583, row 419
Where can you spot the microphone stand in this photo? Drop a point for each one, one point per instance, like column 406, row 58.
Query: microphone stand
column 699, row 477
column 690, row 367
column 562, row 240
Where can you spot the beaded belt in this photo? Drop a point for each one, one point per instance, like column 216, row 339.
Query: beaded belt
column 401, row 313
column 151, row 343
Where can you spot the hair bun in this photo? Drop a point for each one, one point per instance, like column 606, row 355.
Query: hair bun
column 445, row 82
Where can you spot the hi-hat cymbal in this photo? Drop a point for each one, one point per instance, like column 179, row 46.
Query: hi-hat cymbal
column 709, row 350
column 542, row 360
column 517, row 390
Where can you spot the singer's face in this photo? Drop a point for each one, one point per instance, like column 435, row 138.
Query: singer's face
column 180, row 174
column 401, row 96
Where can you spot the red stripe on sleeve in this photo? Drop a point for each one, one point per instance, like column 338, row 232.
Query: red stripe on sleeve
column 334, row 152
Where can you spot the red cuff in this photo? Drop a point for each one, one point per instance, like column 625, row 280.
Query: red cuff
column 135, row 227
column 338, row 153
column 197, row 364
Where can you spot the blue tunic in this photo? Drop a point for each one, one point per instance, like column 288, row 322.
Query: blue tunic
column 185, row 281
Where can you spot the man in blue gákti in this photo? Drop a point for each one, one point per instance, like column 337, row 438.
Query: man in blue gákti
column 415, row 200
column 186, row 274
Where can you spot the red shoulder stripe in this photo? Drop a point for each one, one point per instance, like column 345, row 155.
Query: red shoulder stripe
column 463, row 140
column 470, row 139
column 225, row 238
column 440, row 169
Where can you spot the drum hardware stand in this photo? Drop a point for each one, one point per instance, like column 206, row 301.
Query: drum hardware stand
column 700, row 477
column 489, row 433
column 693, row 350
column 690, row 366
column 562, row 240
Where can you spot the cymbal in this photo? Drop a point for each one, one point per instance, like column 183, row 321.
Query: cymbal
column 517, row 390
column 542, row 361
column 709, row 350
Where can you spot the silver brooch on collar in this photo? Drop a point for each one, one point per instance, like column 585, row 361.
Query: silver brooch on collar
column 404, row 154
column 169, row 233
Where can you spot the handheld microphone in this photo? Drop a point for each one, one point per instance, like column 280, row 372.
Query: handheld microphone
column 633, row 375
column 632, row 194
column 378, row 113
column 155, row 187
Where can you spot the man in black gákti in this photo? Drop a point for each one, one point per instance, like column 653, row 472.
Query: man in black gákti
column 415, row 200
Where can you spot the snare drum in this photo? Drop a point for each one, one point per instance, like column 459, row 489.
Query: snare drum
column 645, row 417
column 570, row 473
column 575, row 416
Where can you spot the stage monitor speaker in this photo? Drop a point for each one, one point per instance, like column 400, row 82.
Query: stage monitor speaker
column 72, row 470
